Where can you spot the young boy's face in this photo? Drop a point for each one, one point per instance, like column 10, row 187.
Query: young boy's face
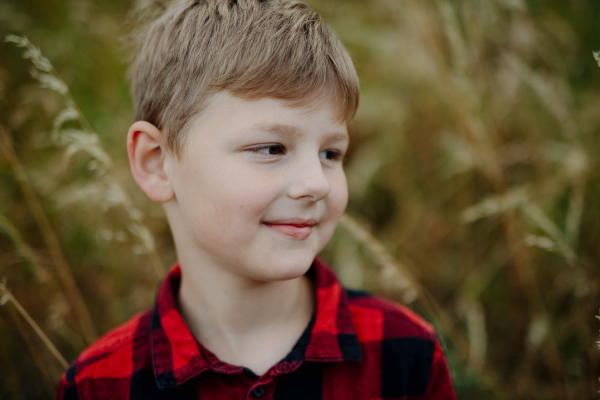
column 260, row 187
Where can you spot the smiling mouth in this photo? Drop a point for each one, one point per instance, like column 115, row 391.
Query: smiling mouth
column 295, row 228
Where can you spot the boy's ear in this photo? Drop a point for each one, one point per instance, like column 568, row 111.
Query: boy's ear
column 147, row 161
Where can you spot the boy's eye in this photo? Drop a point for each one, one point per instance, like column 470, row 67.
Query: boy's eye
column 270, row 150
column 332, row 155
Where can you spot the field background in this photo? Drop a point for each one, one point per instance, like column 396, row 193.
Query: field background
column 473, row 176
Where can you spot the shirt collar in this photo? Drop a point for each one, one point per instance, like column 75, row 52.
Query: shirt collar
column 177, row 356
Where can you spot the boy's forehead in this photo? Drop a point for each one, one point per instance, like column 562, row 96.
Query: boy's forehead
column 296, row 131
column 261, row 112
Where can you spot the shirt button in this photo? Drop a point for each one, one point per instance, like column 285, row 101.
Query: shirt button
column 258, row 391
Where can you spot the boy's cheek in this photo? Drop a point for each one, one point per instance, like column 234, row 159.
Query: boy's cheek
column 339, row 193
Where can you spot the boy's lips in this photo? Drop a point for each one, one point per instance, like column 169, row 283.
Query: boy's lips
column 297, row 228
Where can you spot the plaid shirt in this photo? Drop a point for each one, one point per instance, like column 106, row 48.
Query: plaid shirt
column 355, row 347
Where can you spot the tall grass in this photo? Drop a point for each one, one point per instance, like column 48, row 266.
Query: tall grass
column 472, row 173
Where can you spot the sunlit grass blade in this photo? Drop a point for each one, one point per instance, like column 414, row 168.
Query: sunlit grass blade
column 7, row 296
column 74, row 141
column 63, row 270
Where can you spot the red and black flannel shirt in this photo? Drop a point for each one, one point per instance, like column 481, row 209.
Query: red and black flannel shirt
column 355, row 347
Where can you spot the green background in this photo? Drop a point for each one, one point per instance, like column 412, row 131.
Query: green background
column 473, row 163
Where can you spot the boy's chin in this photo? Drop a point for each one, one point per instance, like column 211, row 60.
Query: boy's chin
column 274, row 269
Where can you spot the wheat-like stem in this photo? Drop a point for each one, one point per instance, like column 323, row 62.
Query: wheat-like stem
column 404, row 280
column 87, row 141
column 30, row 255
column 7, row 296
column 42, row 367
column 575, row 211
column 13, row 233
column 413, row 290
column 411, row 287
column 62, row 268
column 464, row 99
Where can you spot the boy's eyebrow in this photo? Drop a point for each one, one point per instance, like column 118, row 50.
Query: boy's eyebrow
column 290, row 130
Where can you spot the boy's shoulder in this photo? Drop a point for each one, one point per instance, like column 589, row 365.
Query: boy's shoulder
column 375, row 318
column 112, row 355
column 116, row 340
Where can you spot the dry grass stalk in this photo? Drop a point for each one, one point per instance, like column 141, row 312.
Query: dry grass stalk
column 7, row 296
column 62, row 268
column 517, row 200
column 575, row 161
column 598, row 317
column 390, row 267
column 474, row 315
column 462, row 96
column 42, row 272
column 412, row 290
column 15, row 236
column 464, row 99
column 75, row 141
column 29, row 255
column 575, row 212
column 42, row 367
column 534, row 213
column 547, row 93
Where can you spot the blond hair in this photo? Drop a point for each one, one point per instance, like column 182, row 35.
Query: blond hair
column 251, row 48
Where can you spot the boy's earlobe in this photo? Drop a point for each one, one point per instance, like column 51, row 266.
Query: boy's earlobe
column 147, row 161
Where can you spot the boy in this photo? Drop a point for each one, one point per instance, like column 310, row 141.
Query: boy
column 242, row 109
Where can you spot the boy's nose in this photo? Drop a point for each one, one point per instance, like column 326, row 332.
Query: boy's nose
column 309, row 181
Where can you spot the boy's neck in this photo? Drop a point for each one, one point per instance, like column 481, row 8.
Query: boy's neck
column 244, row 322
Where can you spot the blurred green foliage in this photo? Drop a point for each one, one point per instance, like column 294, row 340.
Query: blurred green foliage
column 473, row 160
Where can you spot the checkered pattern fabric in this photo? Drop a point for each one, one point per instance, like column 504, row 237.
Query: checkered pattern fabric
column 355, row 347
